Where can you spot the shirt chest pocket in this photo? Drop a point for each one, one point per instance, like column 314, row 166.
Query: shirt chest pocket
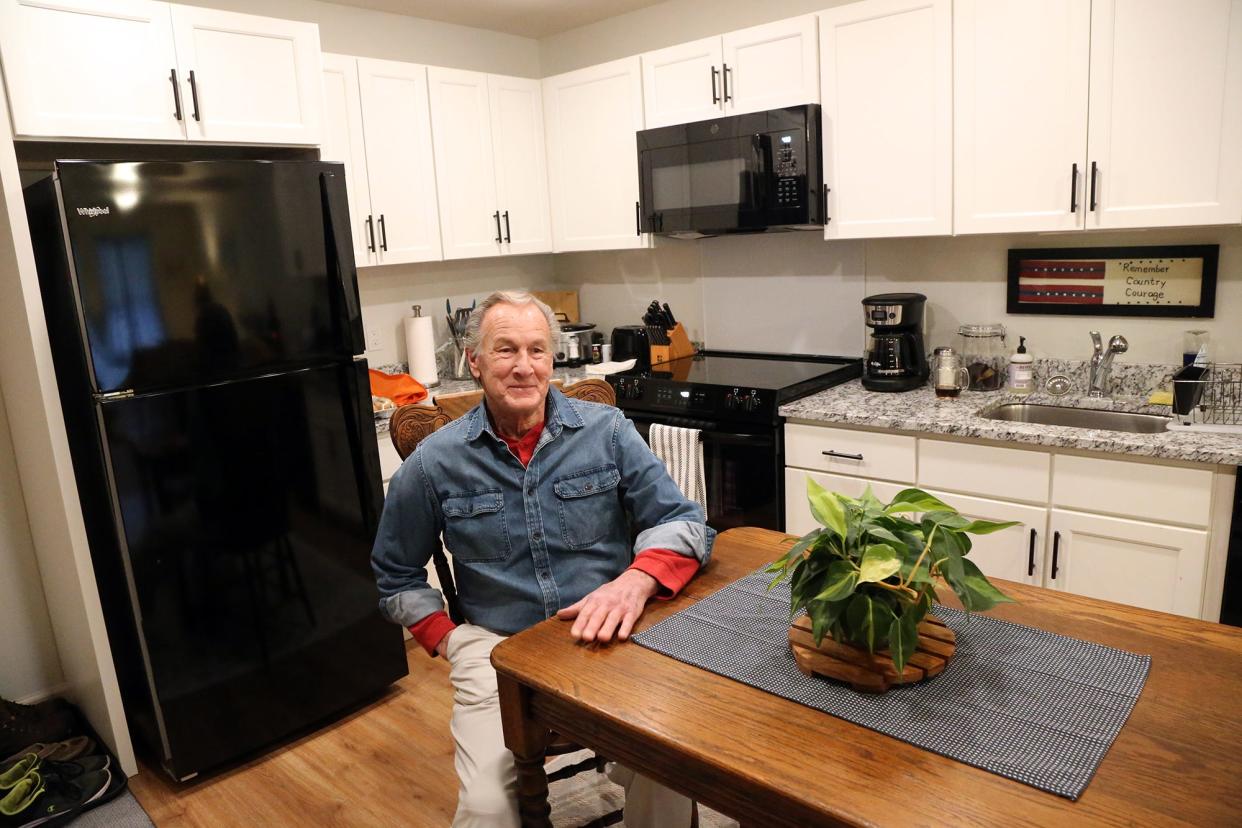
column 474, row 526
column 588, row 505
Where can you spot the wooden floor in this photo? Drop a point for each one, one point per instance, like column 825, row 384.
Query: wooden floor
column 390, row 763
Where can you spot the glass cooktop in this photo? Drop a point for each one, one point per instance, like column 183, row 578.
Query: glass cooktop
column 767, row 371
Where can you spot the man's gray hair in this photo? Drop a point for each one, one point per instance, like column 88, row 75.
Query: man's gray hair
column 474, row 326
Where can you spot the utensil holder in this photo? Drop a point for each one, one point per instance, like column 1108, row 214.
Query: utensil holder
column 678, row 347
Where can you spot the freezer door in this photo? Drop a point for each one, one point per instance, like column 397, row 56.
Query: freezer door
column 247, row 511
column 189, row 272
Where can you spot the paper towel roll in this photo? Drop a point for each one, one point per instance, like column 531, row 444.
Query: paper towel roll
column 420, row 350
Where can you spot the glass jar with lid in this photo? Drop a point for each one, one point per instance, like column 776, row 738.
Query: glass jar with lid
column 983, row 351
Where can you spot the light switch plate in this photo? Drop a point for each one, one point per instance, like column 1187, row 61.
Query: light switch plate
column 375, row 339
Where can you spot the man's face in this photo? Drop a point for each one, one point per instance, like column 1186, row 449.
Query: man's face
column 514, row 360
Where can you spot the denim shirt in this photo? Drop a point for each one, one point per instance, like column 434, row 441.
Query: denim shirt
column 526, row 542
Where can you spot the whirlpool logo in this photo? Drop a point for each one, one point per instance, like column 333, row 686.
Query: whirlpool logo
column 92, row 212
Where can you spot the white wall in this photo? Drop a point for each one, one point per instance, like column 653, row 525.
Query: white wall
column 665, row 24
column 354, row 31
column 27, row 647
column 387, row 293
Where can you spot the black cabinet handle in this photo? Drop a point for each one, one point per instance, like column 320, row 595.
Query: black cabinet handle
column 383, row 233
column 194, row 94
column 638, row 220
column 1074, row 189
column 496, row 215
column 1093, row 173
column 715, row 94
column 1030, row 556
column 827, row 190
column 725, row 77
column 370, row 234
column 508, row 236
column 176, row 95
column 1056, row 551
column 842, row 454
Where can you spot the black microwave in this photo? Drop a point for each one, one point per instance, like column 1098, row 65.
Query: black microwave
column 733, row 174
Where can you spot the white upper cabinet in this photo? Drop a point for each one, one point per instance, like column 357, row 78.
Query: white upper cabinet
column 764, row 67
column 591, row 119
column 91, row 69
column 251, row 79
column 343, row 142
column 397, row 127
column 491, row 168
column 465, row 180
column 771, row 66
column 137, row 70
column 887, row 93
column 521, row 163
column 1166, row 113
column 683, row 83
column 1020, row 159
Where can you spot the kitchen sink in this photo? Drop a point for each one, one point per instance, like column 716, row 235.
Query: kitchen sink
column 1059, row 415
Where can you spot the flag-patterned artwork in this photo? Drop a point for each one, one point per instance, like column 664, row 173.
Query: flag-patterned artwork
column 1061, row 282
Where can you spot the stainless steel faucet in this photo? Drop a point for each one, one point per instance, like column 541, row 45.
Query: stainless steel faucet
column 1102, row 363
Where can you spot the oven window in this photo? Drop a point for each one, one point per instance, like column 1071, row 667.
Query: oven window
column 742, row 471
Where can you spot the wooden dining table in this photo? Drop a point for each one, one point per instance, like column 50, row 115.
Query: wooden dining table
column 768, row 761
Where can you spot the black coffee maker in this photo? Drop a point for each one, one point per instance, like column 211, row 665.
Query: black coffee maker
column 895, row 359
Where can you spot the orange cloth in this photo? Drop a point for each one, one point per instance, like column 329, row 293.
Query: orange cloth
column 400, row 388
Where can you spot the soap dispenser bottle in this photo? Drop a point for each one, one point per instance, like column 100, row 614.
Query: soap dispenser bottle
column 1021, row 370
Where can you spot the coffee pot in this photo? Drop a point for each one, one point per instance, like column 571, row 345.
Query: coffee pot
column 949, row 373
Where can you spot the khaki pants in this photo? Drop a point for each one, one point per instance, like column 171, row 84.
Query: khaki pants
column 487, row 797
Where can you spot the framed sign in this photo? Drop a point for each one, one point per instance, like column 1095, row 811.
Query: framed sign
column 1166, row 280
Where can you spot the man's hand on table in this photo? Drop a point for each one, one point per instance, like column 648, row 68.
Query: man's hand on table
column 614, row 608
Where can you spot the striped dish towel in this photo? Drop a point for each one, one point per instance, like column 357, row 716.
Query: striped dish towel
column 681, row 451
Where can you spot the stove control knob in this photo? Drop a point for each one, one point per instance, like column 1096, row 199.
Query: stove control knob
column 636, row 390
column 751, row 401
column 732, row 399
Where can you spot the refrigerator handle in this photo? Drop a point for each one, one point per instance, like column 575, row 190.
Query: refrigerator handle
column 340, row 253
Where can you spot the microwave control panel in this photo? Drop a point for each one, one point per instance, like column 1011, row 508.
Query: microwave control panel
column 788, row 169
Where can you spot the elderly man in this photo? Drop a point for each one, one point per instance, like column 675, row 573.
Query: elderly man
column 530, row 491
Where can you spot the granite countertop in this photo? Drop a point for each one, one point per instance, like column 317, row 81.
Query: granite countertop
column 452, row 386
column 922, row 411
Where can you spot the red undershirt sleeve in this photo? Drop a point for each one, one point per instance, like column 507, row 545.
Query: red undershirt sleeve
column 672, row 570
column 431, row 630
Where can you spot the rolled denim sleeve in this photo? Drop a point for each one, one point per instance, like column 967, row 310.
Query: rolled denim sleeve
column 409, row 531
column 665, row 518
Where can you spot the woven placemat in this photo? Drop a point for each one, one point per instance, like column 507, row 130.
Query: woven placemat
column 1023, row 703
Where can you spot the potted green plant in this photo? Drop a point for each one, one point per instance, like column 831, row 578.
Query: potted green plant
column 868, row 576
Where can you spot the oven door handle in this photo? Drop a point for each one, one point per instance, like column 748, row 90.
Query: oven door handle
column 735, row 438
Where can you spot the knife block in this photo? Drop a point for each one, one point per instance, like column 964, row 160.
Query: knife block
column 678, row 347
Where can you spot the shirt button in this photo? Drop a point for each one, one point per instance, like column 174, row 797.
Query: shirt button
column 530, row 490
column 536, row 534
column 587, row 487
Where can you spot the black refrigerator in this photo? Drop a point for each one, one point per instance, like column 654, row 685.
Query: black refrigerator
column 205, row 328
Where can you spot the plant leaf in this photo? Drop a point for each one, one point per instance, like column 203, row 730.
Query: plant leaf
column 975, row 591
column 880, row 533
column 903, row 637
column 916, row 500
column 826, row 508
column 823, row 615
column 946, row 520
column 839, row 583
column 986, row 527
column 869, row 621
column 878, row 562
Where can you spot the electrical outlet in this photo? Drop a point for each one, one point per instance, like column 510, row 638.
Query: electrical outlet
column 375, row 339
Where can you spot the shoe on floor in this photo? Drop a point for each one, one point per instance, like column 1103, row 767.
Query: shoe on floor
column 40, row 797
column 62, row 751
column 12, row 772
column 25, row 724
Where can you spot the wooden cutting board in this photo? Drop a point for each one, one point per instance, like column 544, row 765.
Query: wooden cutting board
column 561, row 301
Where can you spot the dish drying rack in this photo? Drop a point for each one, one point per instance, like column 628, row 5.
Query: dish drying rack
column 1211, row 401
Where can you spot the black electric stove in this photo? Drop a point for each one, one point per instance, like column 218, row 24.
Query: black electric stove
column 736, row 386
column 732, row 398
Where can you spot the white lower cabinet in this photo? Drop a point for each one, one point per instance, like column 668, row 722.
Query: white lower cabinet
column 1147, row 565
column 1150, row 534
column 798, row 519
column 1016, row 553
